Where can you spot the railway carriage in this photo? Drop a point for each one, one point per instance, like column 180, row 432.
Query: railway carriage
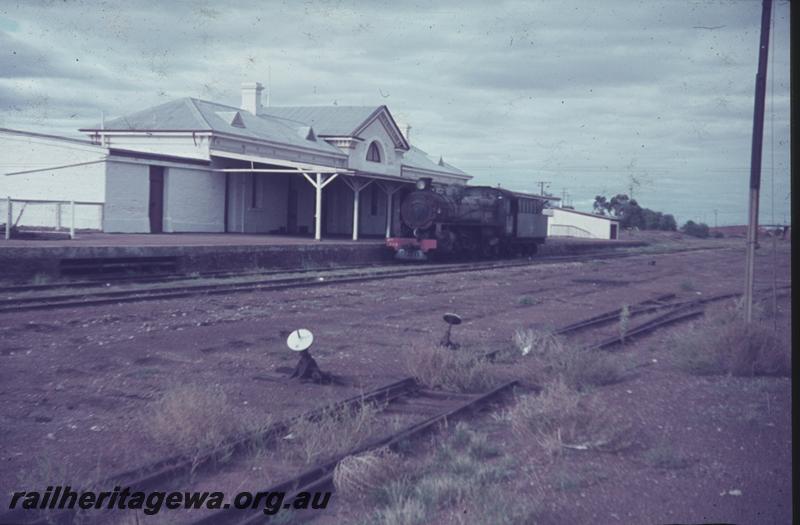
column 468, row 221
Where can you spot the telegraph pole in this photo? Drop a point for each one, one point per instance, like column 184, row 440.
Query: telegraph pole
column 755, row 159
column 542, row 184
column 715, row 218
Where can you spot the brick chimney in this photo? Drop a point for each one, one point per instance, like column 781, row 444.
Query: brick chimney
column 251, row 97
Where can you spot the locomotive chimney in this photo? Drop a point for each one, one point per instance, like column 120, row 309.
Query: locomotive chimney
column 424, row 183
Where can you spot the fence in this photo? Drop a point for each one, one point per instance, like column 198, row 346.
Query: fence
column 567, row 230
column 52, row 215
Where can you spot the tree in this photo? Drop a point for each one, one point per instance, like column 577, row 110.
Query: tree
column 667, row 223
column 600, row 205
column 632, row 215
column 652, row 219
column 618, row 203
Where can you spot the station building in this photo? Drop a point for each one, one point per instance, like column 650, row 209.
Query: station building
column 566, row 222
column 191, row 165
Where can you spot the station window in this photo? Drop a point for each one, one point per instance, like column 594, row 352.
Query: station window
column 374, row 152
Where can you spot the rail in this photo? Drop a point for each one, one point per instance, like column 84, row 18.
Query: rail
column 320, row 475
column 12, row 223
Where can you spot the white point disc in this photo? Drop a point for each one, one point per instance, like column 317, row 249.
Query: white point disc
column 300, row 340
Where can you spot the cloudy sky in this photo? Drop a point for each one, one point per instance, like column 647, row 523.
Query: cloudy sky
column 594, row 97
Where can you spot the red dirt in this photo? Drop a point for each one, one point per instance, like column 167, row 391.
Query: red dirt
column 75, row 380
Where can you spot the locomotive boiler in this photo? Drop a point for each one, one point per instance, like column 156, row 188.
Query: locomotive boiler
column 468, row 221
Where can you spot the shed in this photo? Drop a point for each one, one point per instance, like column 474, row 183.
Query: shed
column 566, row 222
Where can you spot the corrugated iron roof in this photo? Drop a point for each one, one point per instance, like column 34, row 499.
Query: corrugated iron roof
column 417, row 158
column 190, row 114
column 285, row 124
column 334, row 121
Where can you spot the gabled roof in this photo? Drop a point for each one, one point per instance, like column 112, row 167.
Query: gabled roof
column 341, row 121
column 333, row 121
column 416, row 158
column 191, row 114
column 301, row 126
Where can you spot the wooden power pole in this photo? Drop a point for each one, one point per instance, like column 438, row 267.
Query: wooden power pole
column 755, row 158
column 542, row 184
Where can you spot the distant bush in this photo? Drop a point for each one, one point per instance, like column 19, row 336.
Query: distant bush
column 668, row 223
column 632, row 215
column 696, row 229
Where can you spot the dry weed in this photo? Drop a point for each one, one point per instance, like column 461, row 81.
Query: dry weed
column 335, row 432
column 441, row 367
column 559, row 417
column 548, row 356
column 536, row 342
column 192, row 420
column 357, row 476
column 464, row 480
column 726, row 344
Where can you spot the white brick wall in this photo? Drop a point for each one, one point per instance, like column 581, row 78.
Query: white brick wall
column 127, row 198
column 194, row 200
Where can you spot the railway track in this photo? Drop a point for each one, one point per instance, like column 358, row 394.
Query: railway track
column 103, row 281
column 23, row 302
column 424, row 409
column 428, row 409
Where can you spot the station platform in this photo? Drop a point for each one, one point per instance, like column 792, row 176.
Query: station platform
column 95, row 254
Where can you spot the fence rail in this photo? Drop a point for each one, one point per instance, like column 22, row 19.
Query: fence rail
column 567, row 230
column 12, row 223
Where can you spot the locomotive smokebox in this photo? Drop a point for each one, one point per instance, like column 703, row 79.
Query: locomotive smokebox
column 420, row 209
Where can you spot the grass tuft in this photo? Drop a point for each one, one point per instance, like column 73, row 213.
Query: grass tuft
column 335, row 432
column 527, row 300
column 42, row 278
column 456, row 370
column 725, row 345
column 561, row 418
column 550, row 357
column 192, row 420
column 357, row 476
column 460, row 481
column 624, row 322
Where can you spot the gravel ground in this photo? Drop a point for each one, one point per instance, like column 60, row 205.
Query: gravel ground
column 77, row 384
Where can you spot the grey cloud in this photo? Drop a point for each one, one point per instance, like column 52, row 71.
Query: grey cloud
column 582, row 93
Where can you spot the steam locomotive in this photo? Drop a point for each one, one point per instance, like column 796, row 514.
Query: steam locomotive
column 470, row 221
